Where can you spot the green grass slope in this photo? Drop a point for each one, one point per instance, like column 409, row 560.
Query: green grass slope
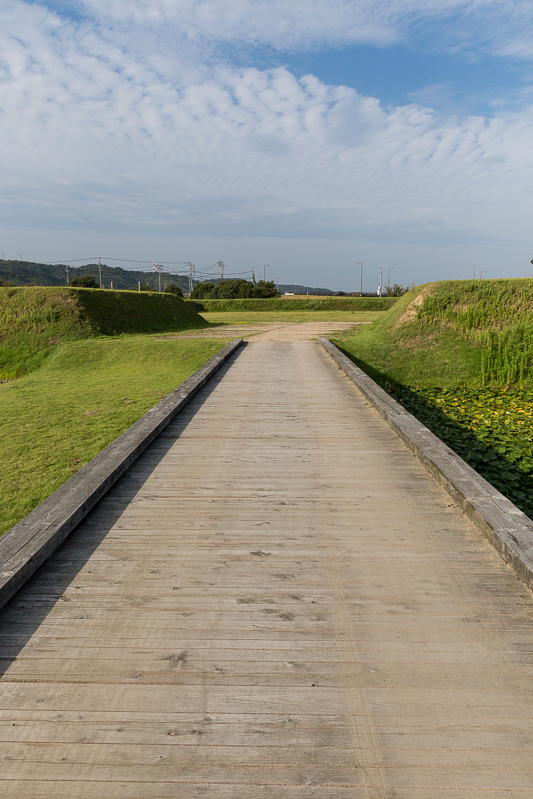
column 452, row 333
column 33, row 320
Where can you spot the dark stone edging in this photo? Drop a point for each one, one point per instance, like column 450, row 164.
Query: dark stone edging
column 27, row 545
column 508, row 529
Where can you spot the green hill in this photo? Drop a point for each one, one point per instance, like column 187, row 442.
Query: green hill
column 33, row 320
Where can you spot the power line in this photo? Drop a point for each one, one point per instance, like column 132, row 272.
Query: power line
column 204, row 273
column 94, row 259
column 132, row 261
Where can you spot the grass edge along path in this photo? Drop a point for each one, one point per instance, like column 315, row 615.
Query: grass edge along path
column 88, row 392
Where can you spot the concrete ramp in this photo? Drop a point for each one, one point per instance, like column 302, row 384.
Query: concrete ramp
column 276, row 601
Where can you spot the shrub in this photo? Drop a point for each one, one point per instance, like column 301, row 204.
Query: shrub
column 173, row 288
column 84, row 281
column 234, row 289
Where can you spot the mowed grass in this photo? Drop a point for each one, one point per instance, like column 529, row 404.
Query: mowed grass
column 56, row 419
column 425, row 359
column 295, row 317
column 34, row 320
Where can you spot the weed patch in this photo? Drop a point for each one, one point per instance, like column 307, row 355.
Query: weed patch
column 491, row 429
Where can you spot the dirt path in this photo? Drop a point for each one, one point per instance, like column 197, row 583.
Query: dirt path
column 273, row 331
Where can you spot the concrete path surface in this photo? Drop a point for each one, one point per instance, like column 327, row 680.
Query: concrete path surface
column 276, row 601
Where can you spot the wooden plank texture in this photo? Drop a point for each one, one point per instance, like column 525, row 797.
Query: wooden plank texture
column 276, row 600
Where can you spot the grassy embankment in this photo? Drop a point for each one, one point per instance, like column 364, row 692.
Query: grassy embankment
column 459, row 355
column 34, row 320
column 292, row 317
column 294, row 310
column 291, row 304
column 85, row 388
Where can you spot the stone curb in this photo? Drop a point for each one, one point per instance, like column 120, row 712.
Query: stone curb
column 508, row 529
column 27, row 545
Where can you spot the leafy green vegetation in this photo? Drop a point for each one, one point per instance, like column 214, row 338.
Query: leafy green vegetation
column 396, row 291
column 84, row 282
column 288, row 304
column 459, row 356
column 173, row 288
column 34, row 320
column 88, row 392
column 491, row 429
column 232, row 289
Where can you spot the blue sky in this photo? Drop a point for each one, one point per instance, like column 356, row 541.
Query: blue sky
column 309, row 136
column 400, row 75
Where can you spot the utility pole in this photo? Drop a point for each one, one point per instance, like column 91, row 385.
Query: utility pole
column 159, row 267
column 380, row 279
column 391, row 269
column 277, row 283
column 360, row 263
column 265, row 267
column 253, row 276
column 474, row 268
column 221, row 267
column 482, row 272
column 190, row 277
column 67, row 268
column 100, row 270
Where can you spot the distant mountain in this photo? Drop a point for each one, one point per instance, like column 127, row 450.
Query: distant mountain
column 27, row 273
column 292, row 288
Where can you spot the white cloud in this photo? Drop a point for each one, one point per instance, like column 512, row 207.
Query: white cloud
column 99, row 131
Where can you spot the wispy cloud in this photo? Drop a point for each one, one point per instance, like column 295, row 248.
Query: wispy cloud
column 500, row 26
